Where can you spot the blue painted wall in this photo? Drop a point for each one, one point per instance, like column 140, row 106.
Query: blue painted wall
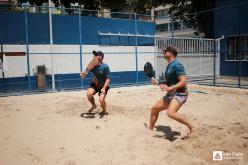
column 68, row 81
column 231, row 21
column 66, row 29
column 13, row 27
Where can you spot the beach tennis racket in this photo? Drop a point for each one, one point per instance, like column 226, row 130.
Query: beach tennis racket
column 148, row 70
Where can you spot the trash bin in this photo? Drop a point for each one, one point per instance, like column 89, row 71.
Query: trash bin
column 41, row 77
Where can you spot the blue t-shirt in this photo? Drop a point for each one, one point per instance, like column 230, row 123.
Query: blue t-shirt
column 172, row 72
column 100, row 74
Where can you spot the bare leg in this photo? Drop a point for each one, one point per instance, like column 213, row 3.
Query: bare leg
column 103, row 103
column 159, row 106
column 174, row 106
column 91, row 99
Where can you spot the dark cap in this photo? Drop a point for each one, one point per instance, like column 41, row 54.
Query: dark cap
column 171, row 49
column 98, row 53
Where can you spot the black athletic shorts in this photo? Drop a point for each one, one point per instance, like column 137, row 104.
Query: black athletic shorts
column 97, row 89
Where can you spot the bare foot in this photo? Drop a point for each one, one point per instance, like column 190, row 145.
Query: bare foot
column 190, row 134
column 187, row 136
column 92, row 108
column 192, row 129
column 150, row 132
column 145, row 124
column 148, row 127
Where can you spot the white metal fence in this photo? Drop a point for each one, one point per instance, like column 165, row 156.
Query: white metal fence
column 196, row 54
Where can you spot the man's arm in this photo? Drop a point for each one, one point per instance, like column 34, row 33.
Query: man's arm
column 181, row 75
column 154, row 81
column 107, row 83
column 182, row 83
column 93, row 63
column 90, row 66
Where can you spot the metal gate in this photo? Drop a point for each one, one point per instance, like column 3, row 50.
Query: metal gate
column 200, row 57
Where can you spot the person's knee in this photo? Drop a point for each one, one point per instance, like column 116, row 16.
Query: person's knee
column 171, row 114
column 154, row 110
column 90, row 94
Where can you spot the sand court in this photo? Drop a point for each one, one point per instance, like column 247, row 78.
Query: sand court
column 51, row 129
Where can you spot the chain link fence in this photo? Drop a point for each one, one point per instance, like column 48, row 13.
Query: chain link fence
column 44, row 56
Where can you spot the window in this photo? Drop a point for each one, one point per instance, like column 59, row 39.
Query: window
column 163, row 12
column 231, row 52
column 237, row 46
column 162, row 27
column 176, row 26
column 186, row 24
column 125, row 41
column 245, row 47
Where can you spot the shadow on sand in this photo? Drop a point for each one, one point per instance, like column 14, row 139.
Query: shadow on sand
column 89, row 115
column 168, row 133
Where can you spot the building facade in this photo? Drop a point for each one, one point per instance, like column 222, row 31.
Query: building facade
column 231, row 22
column 166, row 27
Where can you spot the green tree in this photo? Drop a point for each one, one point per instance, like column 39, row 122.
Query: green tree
column 88, row 4
column 114, row 5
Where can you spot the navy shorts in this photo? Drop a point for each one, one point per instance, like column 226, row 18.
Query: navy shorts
column 180, row 97
column 97, row 89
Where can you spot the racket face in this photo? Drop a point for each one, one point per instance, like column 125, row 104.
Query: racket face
column 148, row 70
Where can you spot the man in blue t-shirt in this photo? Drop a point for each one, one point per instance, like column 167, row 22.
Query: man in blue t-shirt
column 100, row 83
column 175, row 88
